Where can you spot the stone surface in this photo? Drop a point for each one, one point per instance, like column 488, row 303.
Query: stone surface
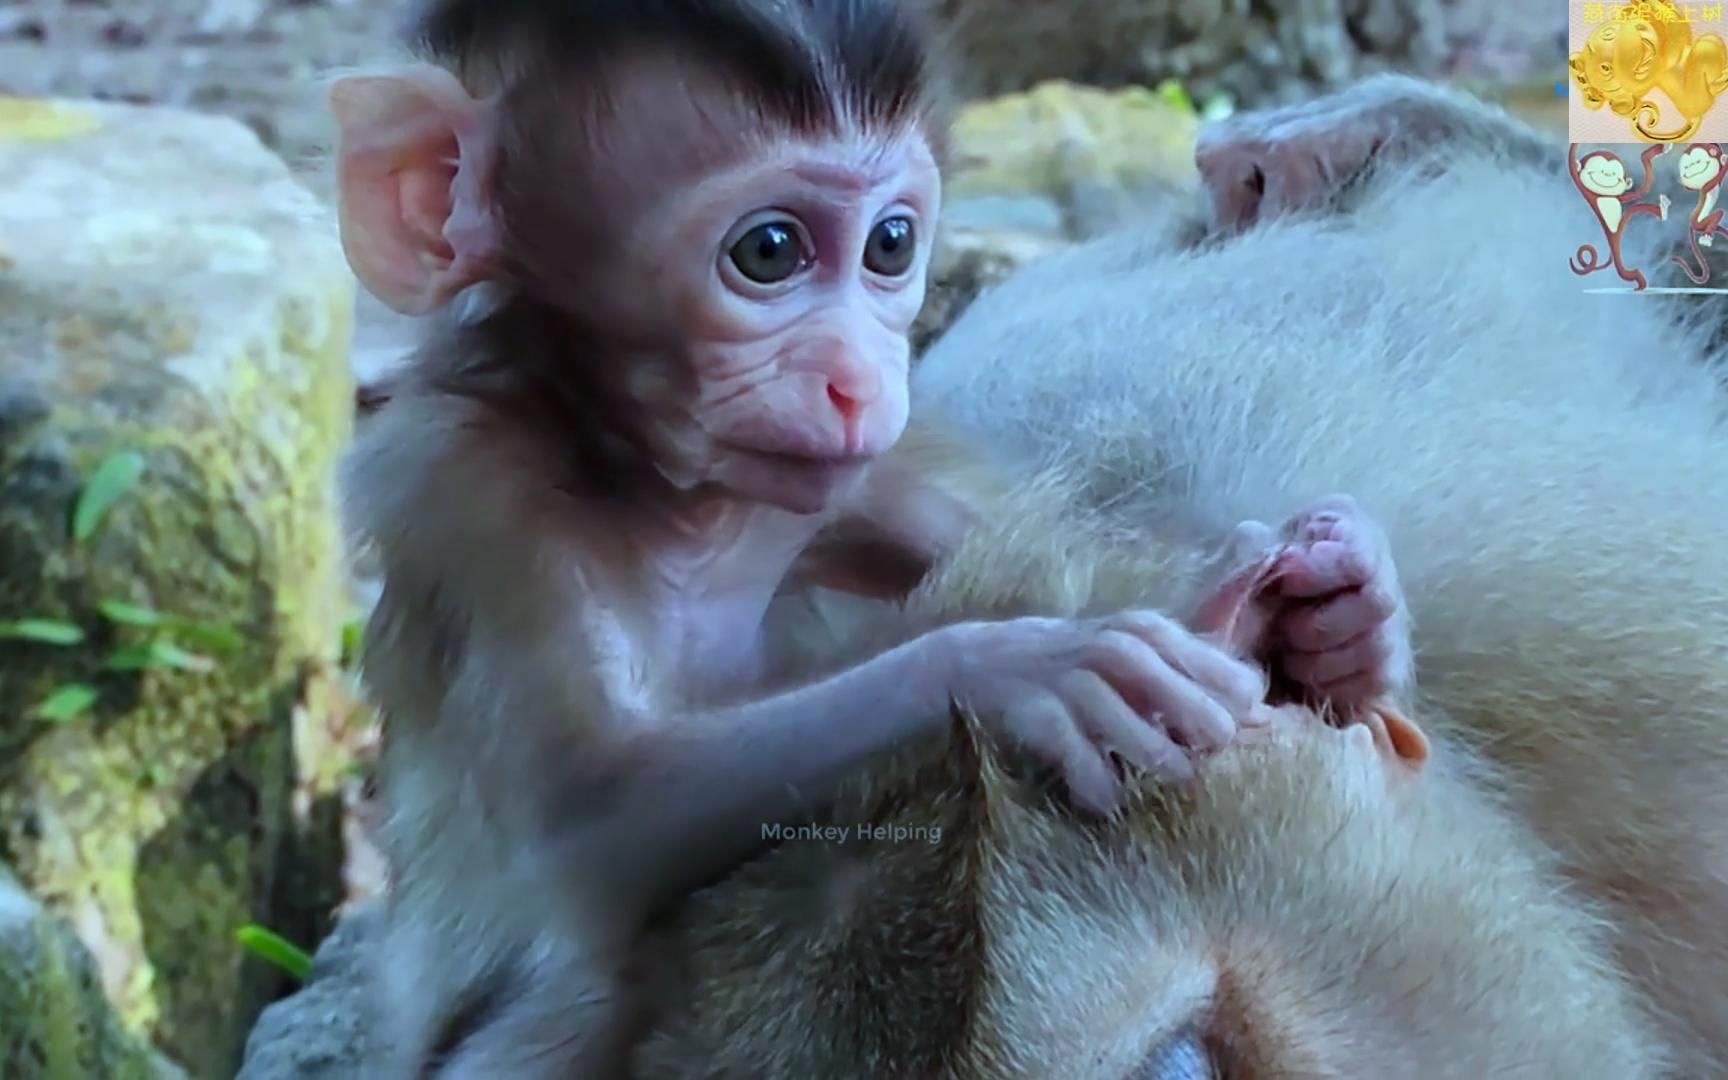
column 1093, row 154
column 319, row 1033
column 257, row 60
column 254, row 60
column 167, row 289
column 1254, row 53
column 58, row 1024
column 1033, row 171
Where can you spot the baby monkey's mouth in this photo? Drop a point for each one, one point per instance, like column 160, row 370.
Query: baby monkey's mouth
column 801, row 483
column 1393, row 732
column 812, row 465
column 789, row 457
column 799, row 460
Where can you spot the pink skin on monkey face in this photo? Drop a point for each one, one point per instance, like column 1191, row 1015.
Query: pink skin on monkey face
column 794, row 317
column 767, row 282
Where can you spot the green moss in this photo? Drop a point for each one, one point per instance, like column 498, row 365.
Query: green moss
column 1058, row 136
column 58, row 1024
column 28, row 120
column 161, row 816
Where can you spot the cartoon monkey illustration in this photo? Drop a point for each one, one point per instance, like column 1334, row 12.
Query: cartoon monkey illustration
column 1701, row 171
column 1601, row 178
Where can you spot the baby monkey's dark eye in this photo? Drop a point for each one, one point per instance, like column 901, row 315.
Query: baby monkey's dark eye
column 891, row 246
column 770, row 253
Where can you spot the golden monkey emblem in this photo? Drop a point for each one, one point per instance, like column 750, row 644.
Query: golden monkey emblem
column 1648, row 46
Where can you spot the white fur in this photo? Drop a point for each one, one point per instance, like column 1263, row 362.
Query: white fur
column 1551, row 467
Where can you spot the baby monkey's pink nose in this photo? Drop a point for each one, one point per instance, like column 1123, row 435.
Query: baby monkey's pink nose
column 849, row 408
column 847, row 405
column 852, row 387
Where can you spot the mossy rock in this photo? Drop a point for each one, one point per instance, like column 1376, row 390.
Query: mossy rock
column 58, row 1024
column 168, row 291
column 1032, row 172
column 1093, row 153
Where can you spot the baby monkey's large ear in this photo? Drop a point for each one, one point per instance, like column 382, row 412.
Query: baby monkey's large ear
column 413, row 173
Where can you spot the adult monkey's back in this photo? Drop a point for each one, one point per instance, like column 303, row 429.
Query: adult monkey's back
column 1550, row 464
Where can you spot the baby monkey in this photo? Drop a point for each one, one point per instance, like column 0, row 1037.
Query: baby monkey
column 670, row 252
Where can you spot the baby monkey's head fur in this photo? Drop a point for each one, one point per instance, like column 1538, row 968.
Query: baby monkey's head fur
column 811, row 66
column 708, row 220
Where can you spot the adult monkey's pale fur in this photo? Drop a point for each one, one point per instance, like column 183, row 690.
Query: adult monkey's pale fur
column 1313, row 908
column 1551, row 467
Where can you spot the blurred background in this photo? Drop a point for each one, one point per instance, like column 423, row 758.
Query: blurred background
column 251, row 59
column 183, row 751
column 256, row 61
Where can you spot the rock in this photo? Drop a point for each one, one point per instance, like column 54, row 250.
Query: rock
column 1034, row 171
column 167, row 291
column 58, row 1024
column 1252, row 53
column 1093, row 154
column 319, row 1033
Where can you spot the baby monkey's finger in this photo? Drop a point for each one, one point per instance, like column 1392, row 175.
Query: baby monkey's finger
column 1235, row 684
column 1110, row 724
column 1328, row 624
column 1366, row 653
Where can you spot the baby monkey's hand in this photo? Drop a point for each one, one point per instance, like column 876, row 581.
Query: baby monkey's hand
column 1135, row 686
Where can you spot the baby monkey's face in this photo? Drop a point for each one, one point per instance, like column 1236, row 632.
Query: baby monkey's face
column 800, row 272
column 737, row 282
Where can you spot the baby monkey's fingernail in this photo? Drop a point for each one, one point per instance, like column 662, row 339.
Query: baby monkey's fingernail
column 1258, row 716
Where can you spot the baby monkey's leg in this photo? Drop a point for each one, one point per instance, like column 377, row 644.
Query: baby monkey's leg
column 1313, row 156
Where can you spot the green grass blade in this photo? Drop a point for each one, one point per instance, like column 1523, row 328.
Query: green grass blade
column 272, row 947
column 212, row 637
column 119, row 611
column 43, row 631
column 71, row 700
column 158, row 654
column 114, row 477
column 353, row 637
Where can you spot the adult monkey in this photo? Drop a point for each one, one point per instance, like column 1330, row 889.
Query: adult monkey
column 1551, row 477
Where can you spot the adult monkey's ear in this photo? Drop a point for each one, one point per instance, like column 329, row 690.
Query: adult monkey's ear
column 413, row 171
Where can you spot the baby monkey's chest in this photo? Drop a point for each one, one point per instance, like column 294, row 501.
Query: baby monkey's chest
column 709, row 647
column 696, row 607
